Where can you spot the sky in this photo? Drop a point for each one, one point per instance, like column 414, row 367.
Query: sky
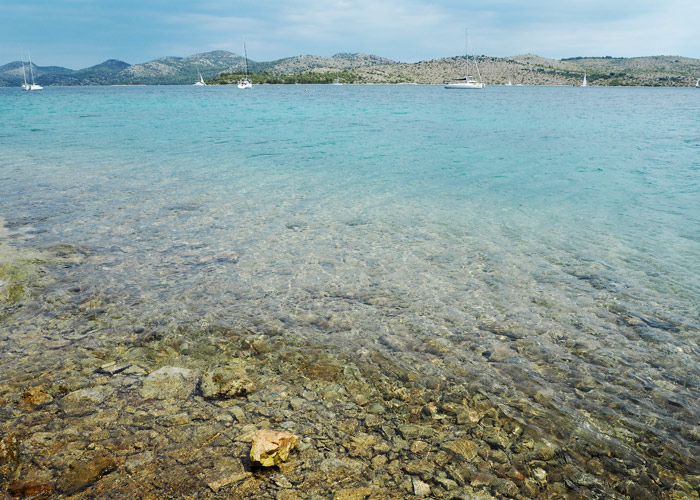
column 81, row 33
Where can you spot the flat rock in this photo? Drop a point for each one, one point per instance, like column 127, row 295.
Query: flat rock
column 113, row 368
column 31, row 489
column 169, row 382
column 222, row 482
column 420, row 489
column 464, row 449
column 226, row 382
column 271, row 447
column 83, row 401
column 353, row 493
column 80, row 475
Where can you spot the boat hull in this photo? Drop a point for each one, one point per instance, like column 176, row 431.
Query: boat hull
column 477, row 85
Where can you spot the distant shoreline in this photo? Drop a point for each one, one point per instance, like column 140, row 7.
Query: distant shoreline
column 527, row 69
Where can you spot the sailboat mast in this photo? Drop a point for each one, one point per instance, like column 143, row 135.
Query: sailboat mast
column 30, row 67
column 466, row 53
column 23, row 71
column 246, row 59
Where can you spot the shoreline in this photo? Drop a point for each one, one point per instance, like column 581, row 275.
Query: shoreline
column 76, row 419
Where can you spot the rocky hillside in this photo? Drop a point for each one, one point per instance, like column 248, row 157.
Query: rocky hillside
column 525, row 69
column 529, row 69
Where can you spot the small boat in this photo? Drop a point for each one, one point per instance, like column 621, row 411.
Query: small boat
column 509, row 84
column 200, row 82
column 585, row 83
column 467, row 82
column 245, row 83
column 697, row 84
column 33, row 85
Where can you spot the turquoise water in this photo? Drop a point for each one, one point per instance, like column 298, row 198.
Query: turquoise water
column 546, row 239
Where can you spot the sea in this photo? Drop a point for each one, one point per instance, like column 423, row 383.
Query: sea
column 541, row 244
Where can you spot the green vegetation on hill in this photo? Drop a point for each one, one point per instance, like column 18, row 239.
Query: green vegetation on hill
column 304, row 78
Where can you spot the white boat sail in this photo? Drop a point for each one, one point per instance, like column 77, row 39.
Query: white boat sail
column 33, row 85
column 200, row 82
column 245, row 83
column 509, row 84
column 25, row 85
column 467, row 82
column 697, row 84
column 585, row 83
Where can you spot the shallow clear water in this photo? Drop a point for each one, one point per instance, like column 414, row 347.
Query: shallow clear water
column 542, row 243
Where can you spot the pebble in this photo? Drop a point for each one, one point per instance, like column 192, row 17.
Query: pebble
column 420, row 488
column 8, row 448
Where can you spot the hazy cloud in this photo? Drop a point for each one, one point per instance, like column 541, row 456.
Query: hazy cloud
column 78, row 33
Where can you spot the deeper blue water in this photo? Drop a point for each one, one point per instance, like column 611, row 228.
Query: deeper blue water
column 547, row 239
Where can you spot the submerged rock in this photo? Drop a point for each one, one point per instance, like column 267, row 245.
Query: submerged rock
column 36, row 396
column 8, row 448
column 81, row 474
column 464, row 449
column 31, row 489
column 226, row 382
column 420, row 489
column 271, row 447
column 169, row 382
column 84, row 401
column 359, row 493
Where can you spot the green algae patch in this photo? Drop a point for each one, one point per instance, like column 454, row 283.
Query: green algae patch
column 19, row 271
column 14, row 280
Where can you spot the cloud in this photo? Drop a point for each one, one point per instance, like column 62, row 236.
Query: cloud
column 412, row 30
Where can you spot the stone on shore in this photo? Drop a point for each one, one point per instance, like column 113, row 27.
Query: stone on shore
column 271, row 447
column 169, row 382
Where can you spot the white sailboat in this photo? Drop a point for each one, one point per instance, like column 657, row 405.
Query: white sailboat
column 245, row 83
column 509, row 84
column 33, row 85
column 697, row 84
column 467, row 82
column 585, row 83
column 25, row 85
column 200, row 82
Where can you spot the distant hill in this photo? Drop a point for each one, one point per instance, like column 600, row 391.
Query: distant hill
column 11, row 74
column 527, row 69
